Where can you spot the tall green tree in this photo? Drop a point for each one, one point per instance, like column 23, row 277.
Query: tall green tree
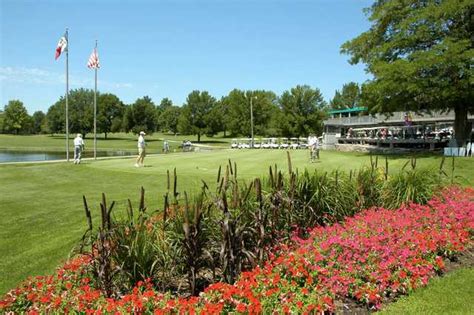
column 301, row 111
column 110, row 112
column 337, row 101
column 2, row 118
column 420, row 54
column 55, row 118
column 349, row 97
column 222, row 112
column 238, row 112
column 168, row 119
column 215, row 120
column 264, row 106
column 160, row 109
column 81, row 112
column 16, row 119
column 38, row 124
column 195, row 114
column 141, row 115
column 238, row 118
column 165, row 103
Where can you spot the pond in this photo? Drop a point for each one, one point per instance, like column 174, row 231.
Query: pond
column 22, row 156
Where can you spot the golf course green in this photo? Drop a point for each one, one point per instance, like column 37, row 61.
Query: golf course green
column 42, row 210
column 113, row 142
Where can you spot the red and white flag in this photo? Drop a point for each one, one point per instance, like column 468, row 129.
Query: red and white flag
column 93, row 62
column 62, row 45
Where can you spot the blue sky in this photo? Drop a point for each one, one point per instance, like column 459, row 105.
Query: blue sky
column 169, row 48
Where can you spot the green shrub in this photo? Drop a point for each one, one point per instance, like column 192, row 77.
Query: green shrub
column 413, row 185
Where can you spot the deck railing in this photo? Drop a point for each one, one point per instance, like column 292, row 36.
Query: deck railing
column 394, row 118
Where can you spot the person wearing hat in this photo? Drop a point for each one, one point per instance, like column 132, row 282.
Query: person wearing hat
column 141, row 149
column 78, row 147
column 313, row 144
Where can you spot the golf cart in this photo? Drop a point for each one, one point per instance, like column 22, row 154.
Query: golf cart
column 265, row 143
column 244, row 143
column 302, row 143
column 293, row 143
column 256, row 144
column 284, row 143
column 234, row 144
column 273, row 143
column 187, row 146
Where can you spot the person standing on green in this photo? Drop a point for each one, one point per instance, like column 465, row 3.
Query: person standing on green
column 141, row 150
column 78, row 147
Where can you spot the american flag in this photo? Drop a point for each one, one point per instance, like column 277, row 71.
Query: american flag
column 93, row 62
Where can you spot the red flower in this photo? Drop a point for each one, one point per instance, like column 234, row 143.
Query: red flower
column 241, row 307
column 439, row 262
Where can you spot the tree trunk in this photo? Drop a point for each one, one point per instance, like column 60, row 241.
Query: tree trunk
column 462, row 127
column 199, row 137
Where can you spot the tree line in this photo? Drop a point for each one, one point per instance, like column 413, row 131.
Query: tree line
column 419, row 54
column 297, row 112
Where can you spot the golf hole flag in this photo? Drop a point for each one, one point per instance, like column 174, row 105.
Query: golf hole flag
column 93, row 62
column 62, row 45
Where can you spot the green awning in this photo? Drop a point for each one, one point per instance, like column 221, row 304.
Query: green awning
column 348, row 110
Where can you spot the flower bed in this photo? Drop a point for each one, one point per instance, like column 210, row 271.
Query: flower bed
column 372, row 256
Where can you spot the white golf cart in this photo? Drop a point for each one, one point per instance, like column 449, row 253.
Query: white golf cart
column 302, row 143
column 187, row 146
column 274, row 143
column 256, row 143
column 244, row 143
column 234, row 144
column 284, row 143
column 293, row 143
column 265, row 143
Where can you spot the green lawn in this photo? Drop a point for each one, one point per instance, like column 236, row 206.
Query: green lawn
column 450, row 294
column 116, row 141
column 41, row 204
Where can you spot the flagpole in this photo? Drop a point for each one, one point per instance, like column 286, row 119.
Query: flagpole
column 67, row 93
column 95, row 109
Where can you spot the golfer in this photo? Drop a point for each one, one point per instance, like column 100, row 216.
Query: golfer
column 316, row 147
column 313, row 144
column 141, row 150
column 78, row 147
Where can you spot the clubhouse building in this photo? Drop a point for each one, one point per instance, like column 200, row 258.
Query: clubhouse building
column 355, row 129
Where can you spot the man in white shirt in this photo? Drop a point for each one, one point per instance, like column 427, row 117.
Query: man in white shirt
column 78, row 147
column 316, row 146
column 141, row 149
column 313, row 145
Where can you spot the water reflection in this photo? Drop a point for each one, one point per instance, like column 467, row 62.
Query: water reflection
column 21, row 156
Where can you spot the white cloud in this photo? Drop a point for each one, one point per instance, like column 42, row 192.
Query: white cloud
column 115, row 85
column 44, row 77
column 25, row 75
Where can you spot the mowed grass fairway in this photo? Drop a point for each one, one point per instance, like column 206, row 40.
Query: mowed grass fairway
column 114, row 142
column 42, row 215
